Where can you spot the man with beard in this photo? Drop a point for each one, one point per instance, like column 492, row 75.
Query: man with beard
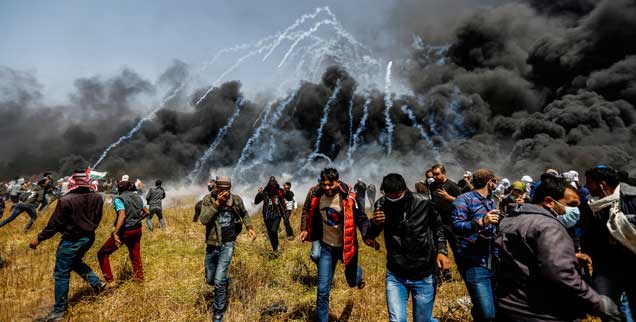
column 223, row 215
column 609, row 235
column 443, row 193
column 331, row 216
column 415, row 246
column 273, row 210
column 475, row 218
column 537, row 278
column 76, row 217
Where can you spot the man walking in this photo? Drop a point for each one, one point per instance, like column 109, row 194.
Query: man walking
column 223, row 215
column 76, row 217
column 331, row 217
column 154, row 197
column 475, row 219
column 273, row 210
column 538, row 278
column 415, row 245
column 127, row 230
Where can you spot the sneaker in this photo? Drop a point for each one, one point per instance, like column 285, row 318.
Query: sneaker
column 100, row 287
column 51, row 317
column 217, row 317
column 290, row 238
column 277, row 252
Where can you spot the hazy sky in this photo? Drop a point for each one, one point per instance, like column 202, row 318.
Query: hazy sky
column 59, row 41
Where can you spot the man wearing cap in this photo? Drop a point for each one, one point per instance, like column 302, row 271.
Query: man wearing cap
column 465, row 184
column 223, row 215
column 130, row 210
column 76, row 216
column 475, row 218
column 517, row 196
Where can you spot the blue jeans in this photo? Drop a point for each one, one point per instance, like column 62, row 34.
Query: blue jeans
column 314, row 254
column 397, row 297
column 329, row 257
column 155, row 211
column 17, row 210
column 69, row 257
column 479, row 283
column 217, row 262
column 625, row 308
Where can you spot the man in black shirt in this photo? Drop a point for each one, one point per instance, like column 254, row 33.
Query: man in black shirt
column 443, row 193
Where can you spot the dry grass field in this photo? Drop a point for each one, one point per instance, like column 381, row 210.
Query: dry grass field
column 263, row 288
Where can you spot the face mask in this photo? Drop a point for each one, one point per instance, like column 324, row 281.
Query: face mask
column 570, row 217
column 396, row 199
column 430, row 181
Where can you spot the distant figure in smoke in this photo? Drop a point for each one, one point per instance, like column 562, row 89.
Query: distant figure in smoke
column 48, row 190
column 76, row 217
column 154, row 198
column 371, row 193
column 517, row 196
column 537, row 255
column 465, row 183
column 290, row 205
column 130, row 211
column 31, row 200
column 15, row 190
column 223, row 215
column 273, row 210
column 330, row 216
column 360, row 188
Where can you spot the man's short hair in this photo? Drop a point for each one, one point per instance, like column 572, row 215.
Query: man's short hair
column 393, row 182
column 604, row 173
column 553, row 187
column 288, row 184
column 481, row 177
column 329, row 174
column 440, row 167
column 158, row 183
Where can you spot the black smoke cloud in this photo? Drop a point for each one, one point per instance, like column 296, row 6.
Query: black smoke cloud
column 522, row 87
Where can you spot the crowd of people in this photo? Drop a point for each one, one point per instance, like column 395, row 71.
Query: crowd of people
column 554, row 249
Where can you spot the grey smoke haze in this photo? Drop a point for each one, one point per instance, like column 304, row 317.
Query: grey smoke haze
column 526, row 85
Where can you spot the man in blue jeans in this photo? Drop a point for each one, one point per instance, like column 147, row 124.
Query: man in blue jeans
column 331, row 216
column 475, row 218
column 29, row 205
column 415, row 248
column 76, row 217
column 223, row 215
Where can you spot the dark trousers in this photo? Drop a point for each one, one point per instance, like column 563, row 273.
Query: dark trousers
column 272, row 225
column 614, row 279
column 132, row 240
column 288, row 227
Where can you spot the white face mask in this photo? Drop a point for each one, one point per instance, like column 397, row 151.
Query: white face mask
column 430, row 181
column 396, row 199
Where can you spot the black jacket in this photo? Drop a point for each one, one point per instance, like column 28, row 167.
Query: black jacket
column 413, row 235
column 537, row 278
column 76, row 215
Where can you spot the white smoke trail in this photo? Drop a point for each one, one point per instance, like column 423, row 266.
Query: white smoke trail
column 215, row 143
column 388, row 103
column 361, row 127
column 265, row 124
column 423, row 133
column 323, row 120
column 351, row 121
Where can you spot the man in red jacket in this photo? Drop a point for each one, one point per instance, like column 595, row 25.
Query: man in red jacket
column 331, row 216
